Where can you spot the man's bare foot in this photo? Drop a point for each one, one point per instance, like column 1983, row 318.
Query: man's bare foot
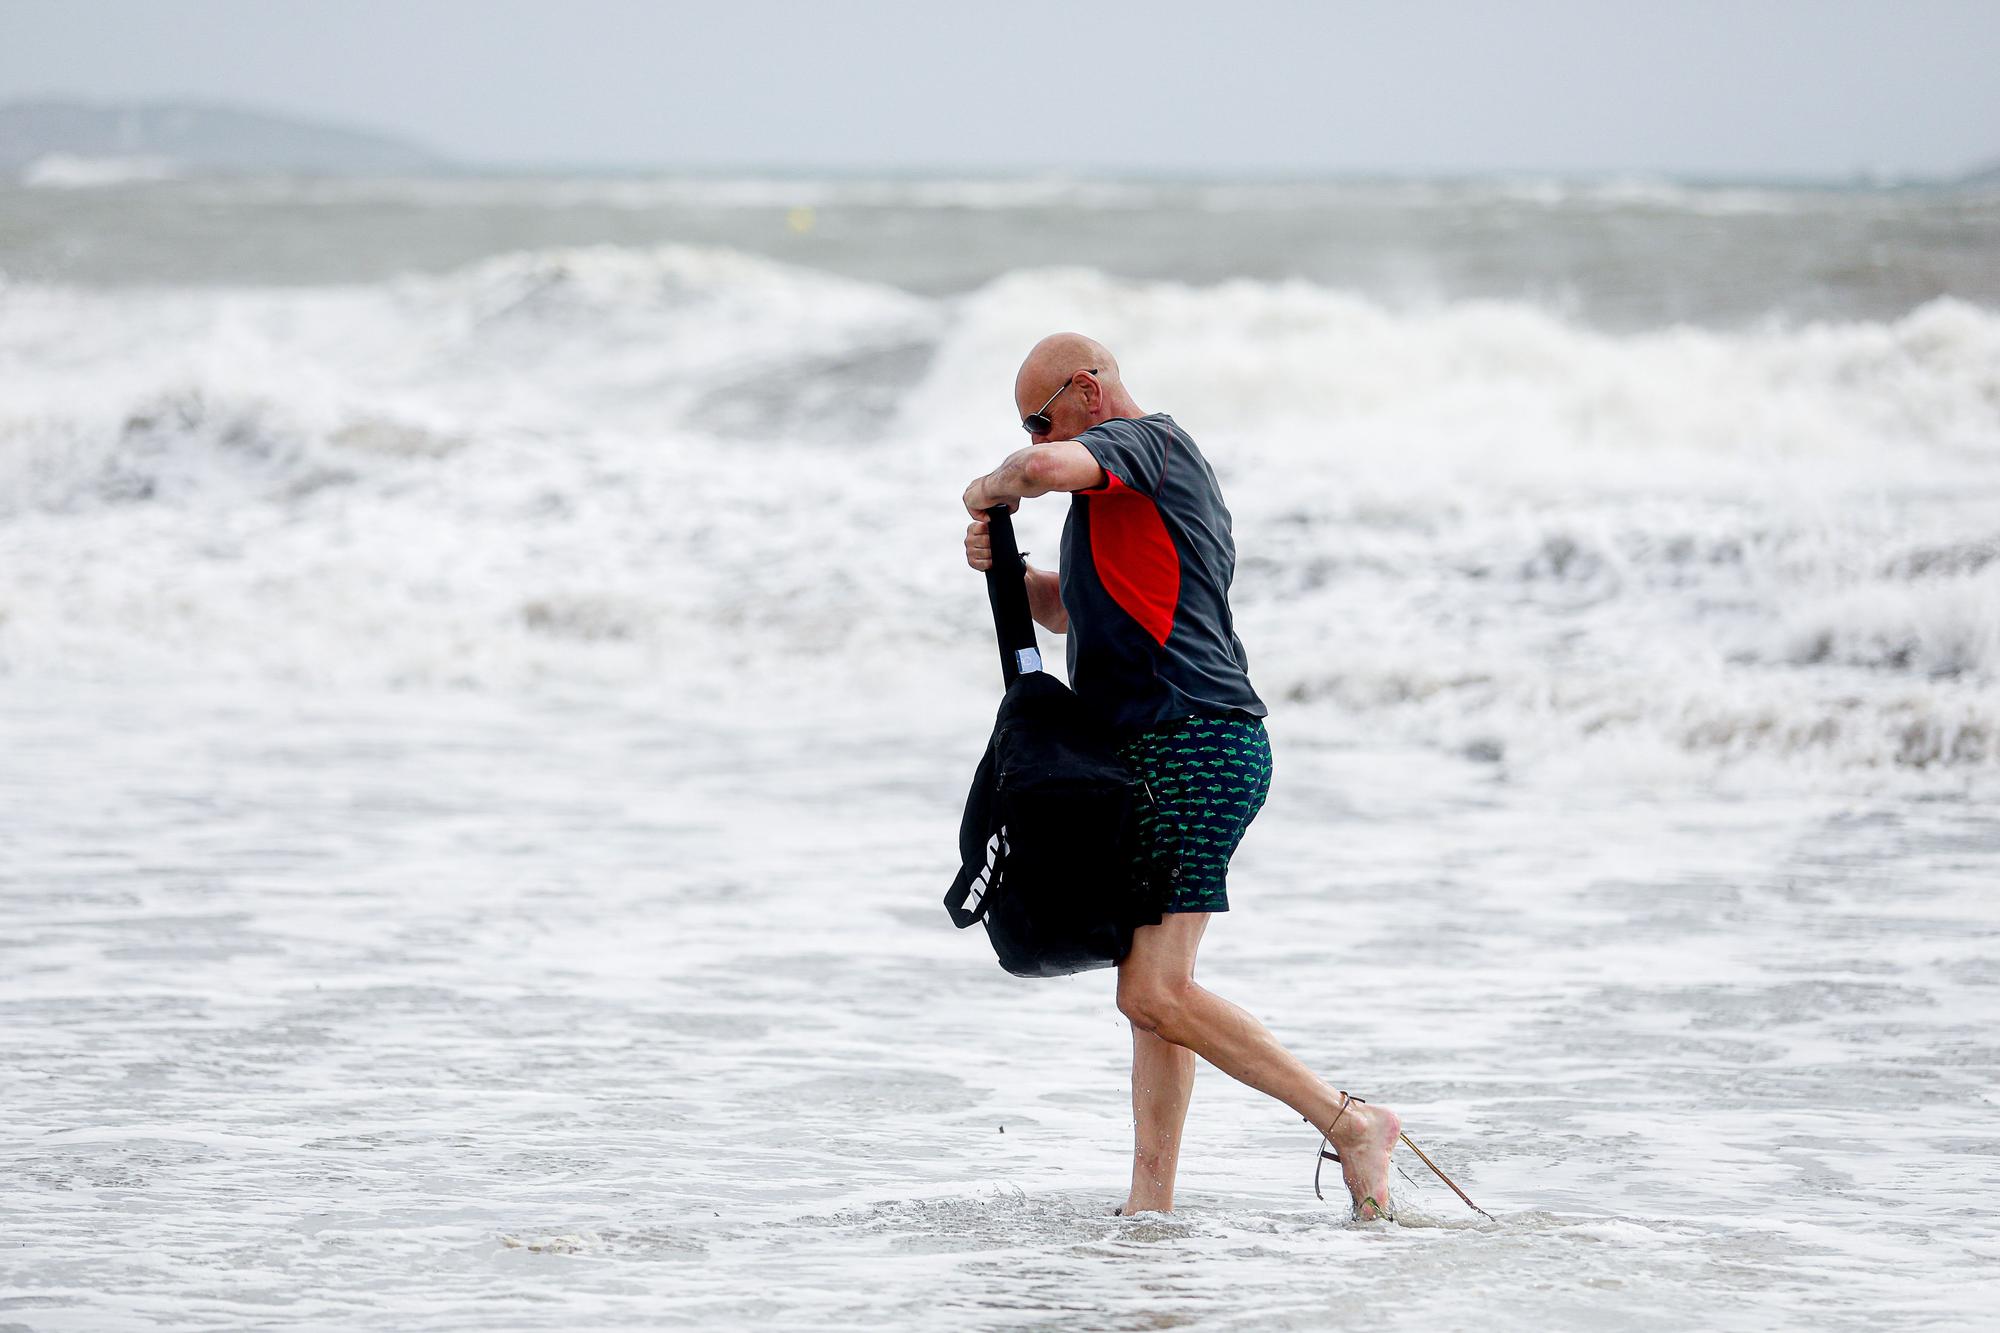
column 1364, row 1135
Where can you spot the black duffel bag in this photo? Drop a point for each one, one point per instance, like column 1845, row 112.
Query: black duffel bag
column 1047, row 847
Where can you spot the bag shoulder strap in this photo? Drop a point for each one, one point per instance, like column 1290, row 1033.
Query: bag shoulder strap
column 1007, row 593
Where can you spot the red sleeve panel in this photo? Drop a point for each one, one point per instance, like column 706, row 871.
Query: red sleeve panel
column 1135, row 556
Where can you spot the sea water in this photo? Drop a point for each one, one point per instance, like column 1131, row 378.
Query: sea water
column 487, row 677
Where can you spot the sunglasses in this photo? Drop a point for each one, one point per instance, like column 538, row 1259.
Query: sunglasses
column 1038, row 423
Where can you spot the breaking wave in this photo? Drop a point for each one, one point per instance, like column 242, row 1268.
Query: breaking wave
column 1480, row 524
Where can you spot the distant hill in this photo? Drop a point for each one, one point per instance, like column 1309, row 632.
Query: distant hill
column 156, row 139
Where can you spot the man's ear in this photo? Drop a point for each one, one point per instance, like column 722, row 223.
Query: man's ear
column 1090, row 390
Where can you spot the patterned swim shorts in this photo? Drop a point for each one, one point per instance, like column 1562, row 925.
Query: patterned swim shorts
column 1208, row 777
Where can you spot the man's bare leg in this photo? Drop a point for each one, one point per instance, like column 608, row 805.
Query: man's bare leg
column 1162, row 1082
column 1157, row 992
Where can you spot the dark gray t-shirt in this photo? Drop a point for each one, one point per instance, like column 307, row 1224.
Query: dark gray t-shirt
column 1146, row 564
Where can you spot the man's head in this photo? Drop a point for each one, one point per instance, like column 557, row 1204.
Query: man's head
column 1073, row 381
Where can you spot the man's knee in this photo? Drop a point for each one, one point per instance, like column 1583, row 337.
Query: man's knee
column 1155, row 1005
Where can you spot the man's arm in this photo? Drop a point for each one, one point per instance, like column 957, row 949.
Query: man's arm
column 1044, row 586
column 1060, row 465
column 1045, row 600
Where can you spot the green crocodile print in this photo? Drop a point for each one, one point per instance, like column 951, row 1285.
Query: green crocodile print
column 1209, row 777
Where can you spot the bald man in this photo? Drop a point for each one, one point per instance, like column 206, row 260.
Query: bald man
column 1143, row 594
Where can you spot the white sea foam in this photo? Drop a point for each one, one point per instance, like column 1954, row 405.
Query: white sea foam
column 73, row 171
column 443, row 1012
column 1478, row 523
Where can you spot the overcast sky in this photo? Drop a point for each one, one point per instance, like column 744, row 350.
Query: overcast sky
column 1749, row 87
